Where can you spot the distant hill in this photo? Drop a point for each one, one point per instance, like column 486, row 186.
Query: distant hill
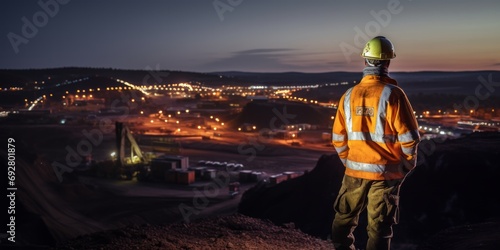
column 286, row 78
column 143, row 77
column 426, row 89
column 425, row 82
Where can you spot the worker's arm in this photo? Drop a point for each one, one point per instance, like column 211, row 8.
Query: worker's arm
column 339, row 134
column 405, row 124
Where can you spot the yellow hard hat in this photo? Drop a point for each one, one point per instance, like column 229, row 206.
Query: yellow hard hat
column 379, row 48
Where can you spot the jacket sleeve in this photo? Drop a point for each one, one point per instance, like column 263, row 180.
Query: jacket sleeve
column 339, row 133
column 405, row 124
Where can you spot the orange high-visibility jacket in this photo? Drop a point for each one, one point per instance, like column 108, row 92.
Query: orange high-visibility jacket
column 375, row 131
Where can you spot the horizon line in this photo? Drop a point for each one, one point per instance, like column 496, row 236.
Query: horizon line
column 240, row 71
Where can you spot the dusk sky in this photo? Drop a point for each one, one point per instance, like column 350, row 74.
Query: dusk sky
column 248, row 35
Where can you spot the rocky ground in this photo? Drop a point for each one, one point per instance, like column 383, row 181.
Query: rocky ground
column 449, row 202
column 223, row 232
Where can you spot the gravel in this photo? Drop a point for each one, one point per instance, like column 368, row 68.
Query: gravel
column 223, row 232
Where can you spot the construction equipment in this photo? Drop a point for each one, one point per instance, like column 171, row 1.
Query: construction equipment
column 136, row 163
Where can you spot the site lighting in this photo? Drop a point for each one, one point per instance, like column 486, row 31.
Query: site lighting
column 222, row 124
column 132, row 100
column 254, row 127
column 152, row 121
column 187, row 110
column 199, row 127
column 169, row 116
column 160, row 112
column 113, row 154
column 177, row 122
column 239, row 129
column 215, row 128
column 166, row 120
column 142, row 112
column 142, row 98
column 178, row 112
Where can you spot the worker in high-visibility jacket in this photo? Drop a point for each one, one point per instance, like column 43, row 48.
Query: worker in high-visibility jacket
column 375, row 134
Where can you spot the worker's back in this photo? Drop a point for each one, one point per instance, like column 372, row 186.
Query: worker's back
column 372, row 122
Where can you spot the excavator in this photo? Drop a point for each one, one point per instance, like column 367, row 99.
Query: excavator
column 136, row 164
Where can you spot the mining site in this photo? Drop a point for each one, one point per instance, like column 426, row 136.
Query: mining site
column 101, row 163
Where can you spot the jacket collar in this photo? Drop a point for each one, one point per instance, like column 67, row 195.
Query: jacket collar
column 384, row 79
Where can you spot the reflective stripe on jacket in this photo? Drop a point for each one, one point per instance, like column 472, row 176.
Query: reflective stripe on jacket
column 375, row 131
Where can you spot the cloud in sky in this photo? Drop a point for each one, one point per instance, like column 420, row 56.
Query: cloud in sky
column 263, row 51
column 252, row 60
column 276, row 60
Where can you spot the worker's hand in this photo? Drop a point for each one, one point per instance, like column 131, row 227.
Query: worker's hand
column 406, row 166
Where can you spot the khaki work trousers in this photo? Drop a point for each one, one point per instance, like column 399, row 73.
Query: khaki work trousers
column 380, row 198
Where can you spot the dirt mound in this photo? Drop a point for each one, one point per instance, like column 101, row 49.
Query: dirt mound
column 476, row 236
column 454, row 184
column 307, row 201
column 272, row 115
column 224, row 232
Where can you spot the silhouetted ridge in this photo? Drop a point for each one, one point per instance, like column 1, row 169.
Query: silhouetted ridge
column 306, row 201
column 454, row 184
